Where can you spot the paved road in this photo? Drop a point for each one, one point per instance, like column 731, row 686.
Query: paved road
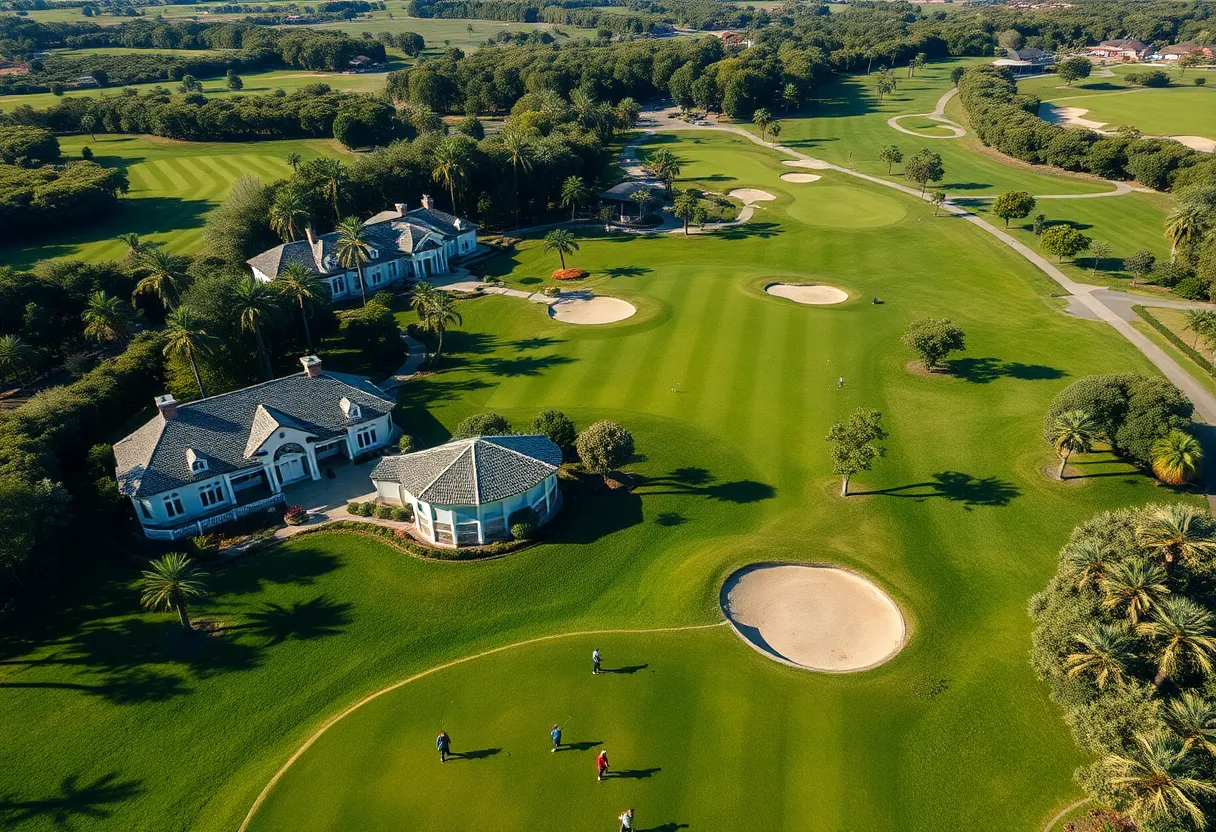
column 1082, row 295
column 938, row 115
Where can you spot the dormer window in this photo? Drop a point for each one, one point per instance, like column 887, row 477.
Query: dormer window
column 330, row 262
column 351, row 409
column 373, row 253
column 197, row 463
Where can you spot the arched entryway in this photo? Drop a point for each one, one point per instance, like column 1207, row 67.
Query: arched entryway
column 290, row 462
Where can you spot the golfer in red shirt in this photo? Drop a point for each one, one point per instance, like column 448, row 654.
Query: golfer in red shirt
column 601, row 765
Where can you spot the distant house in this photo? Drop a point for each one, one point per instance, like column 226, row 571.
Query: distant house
column 206, row 462
column 403, row 244
column 87, row 81
column 1121, row 49
column 464, row 493
column 734, row 40
column 360, row 62
column 1181, row 50
column 620, row 195
column 1028, row 61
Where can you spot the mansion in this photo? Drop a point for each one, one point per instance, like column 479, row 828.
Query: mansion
column 403, row 244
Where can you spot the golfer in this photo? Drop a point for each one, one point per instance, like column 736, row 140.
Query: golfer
column 601, row 765
column 556, row 733
column 840, row 383
column 595, row 662
column 444, row 743
column 626, row 820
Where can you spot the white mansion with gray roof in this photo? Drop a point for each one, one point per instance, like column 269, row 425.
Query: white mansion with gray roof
column 464, row 493
column 403, row 244
column 202, row 463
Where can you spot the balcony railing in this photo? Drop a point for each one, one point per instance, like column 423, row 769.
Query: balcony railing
column 197, row 527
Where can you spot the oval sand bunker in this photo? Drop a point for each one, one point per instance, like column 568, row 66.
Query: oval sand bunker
column 800, row 177
column 814, row 617
column 594, row 310
column 813, row 295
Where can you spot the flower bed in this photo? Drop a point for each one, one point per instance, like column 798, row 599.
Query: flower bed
column 295, row 515
column 570, row 274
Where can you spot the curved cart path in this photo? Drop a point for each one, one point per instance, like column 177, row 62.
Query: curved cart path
column 938, row 115
column 1082, row 295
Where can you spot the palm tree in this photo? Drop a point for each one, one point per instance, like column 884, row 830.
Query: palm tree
column 938, row 199
column 294, row 160
column 1193, row 719
column 1201, row 322
column 107, row 318
column 352, row 249
column 335, row 178
column 134, row 246
column 301, row 286
column 254, row 303
column 1102, row 654
column 1087, row 563
column 1176, row 532
column 685, row 208
column 665, row 166
column 449, row 168
column 1134, row 587
column 1072, row 433
column 1158, row 779
column 1177, row 458
column 574, row 192
column 15, row 356
column 186, row 337
column 288, row 213
column 761, row 118
column 164, row 279
column 171, row 583
column 437, row 310
column 1181, row 631
column 642, row 197
column 1185, row 223
column 561, row 241
column 519, row 152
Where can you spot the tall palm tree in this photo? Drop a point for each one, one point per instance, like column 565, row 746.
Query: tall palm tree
column 1176, row 533
column 1193, row 719
column 352, row 249
column 301, row 286
column 519, row 154
column 449, row 168
column 15, row 356
column 254, row 303
column 1177, row 458
column 666, row 167
column 761, row 118
column 437, row 310
column 294, row 160
column 134, row 246
column 107, row 318
column 1185, row 223
column 1072, row 432
column 288, row 213
column 1157, row 778
column 1087, row 564
column 1134, row 587
column 685, row 208
column 1103, row 655
column 561, row 241
column 642, row 197
column 185, row 336
column 574, row 193
column 165, row 277
column 1182, row 635
column 171, row 583
column 335, row 178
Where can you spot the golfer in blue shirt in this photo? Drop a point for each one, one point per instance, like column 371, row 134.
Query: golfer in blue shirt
column 556, row 733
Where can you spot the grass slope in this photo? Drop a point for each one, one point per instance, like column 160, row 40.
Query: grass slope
column 1168, row 111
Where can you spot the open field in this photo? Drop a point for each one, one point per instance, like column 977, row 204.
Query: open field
column 1169, row 111
column 173, row 186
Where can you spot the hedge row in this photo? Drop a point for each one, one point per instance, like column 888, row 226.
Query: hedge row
column 1186, row 349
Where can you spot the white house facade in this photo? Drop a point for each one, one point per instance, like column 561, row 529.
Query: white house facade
column 206, row 462
column 403, row 244
column 464, row 493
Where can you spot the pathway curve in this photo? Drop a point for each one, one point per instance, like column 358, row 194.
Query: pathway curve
column 415, row 354
column 431, row 671
column 1082, row 295
column 938, row 115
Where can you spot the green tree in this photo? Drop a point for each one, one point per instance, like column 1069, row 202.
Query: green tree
column 1193, row 719
column 519, row 154
column 604, row 447
column 301, row 287
column 790, row 97
column 761, row 117
column 665, row 166
column 561, row 241
column 107, row 318
column 1140, row 263
column 451, row 162
column 1100, row 249
column 685, row 208
column 483, row 424
column 234, row 81
column 937, row 199
column 852, row 445
column 288, row 213
column 1176, row 533
column 642, row 197
column 1187, row 223
column 437, row 311
column 1013, row 205
column 88, row 123
column 16, row 356
column 574, row 194
column 294, row 159
column 1072, row 433
column 933, row 339
column 255, row 303
column 164, row 276
column 924, row 167
column 558, row 427
column 892, row 155
column 1086, row 564
column 1177, row 458
column 334, row 181
column 1157, row 781
column 186, row 336
column 885, row 84
column 1102, row 654
column 1064, row 241
column 352, row 249
column 1201, row 323
column 1133, row 588
column 1073, row 69
column 956, row 75
column 135, row 246
column 1181, row 634
column 172, row 582
column 774, row 130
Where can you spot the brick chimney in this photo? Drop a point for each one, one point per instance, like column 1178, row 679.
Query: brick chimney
column 167, row 405
column 312, row 365
column 427, row 202
column 401, row 208
column 312, row 238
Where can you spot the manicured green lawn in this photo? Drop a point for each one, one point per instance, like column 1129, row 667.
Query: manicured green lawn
column 173, row 187
column 1170, row 111
column 112, row 724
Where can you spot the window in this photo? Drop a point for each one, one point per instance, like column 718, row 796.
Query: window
column 145, row 509
column 198, row 466
column 392, row 269
column 173, row 505
column 366, row 437
column 212, row 494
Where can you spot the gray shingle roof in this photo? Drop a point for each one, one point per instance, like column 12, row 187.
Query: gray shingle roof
column 471, row 472
column 153, row 458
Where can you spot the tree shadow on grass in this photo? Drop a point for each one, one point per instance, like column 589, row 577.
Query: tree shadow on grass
column 123, row 688
column 300, row 566
column 950, row 187
column 671, row 518
column 600, row 513
column 627, row 271
column 984, row 370
column 956, row 487
column 536, row 342
column 301, row 621
column 695, row 481
column 75, row 801
column 749, row 230
column 523, row 365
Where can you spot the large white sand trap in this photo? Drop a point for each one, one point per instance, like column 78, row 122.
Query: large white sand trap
column 1199, row 143
column 815, row 617
column 1068, row 116
column 750, row 195
column 813, row 295
column 813, row 164
column 800, row 177
column 591, row 310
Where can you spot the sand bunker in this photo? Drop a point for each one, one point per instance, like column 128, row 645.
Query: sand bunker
column 591, row 310
column 1068, row 116
column 1197, row 143
column 814, row 295
column 814, row 617
column 749, row 195
column 813, row 164
column 800, row 177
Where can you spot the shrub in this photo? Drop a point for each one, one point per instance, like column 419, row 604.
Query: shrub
column 1064, row 241
column 570, row 274
column 405, row 444
column 523, row 523
column 482, row 424
column 1192, row 288
column 558, row 427
column 1199, row 81
column 385, row 511
column 295, row 515
column 86, row 153
column 1148, row 78
column 552, row 292
column 358, row 509
column 1130, row 411
column 604, row 447
column 404, row 514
